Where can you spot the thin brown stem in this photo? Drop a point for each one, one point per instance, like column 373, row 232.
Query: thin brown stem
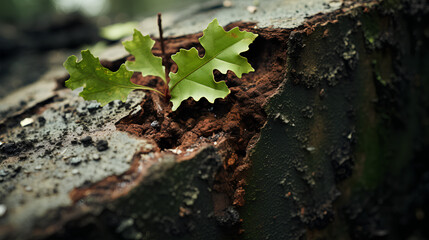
column 160, row 34
column 164, row 59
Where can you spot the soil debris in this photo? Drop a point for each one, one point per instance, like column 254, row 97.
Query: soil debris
column 229, row 123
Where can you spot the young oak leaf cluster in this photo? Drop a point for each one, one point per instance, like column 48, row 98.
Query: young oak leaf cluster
column 194, row 77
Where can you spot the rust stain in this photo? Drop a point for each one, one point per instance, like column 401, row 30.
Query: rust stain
column 239, row 197
column 232, row 159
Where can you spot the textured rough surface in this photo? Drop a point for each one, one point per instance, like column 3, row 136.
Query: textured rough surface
column 274, row 14
column 338, row 151
column 29, row 97
column 168, row 200
column 70, row 143
column 344, row 112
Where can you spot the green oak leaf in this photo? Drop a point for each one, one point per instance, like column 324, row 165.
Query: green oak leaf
column 194, row 77
column 145, row 62
column 98, row 82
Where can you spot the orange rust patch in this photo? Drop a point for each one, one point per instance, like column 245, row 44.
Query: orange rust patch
column 232, row 159
column 184, row 211
column 325, row 34
column 239, row 197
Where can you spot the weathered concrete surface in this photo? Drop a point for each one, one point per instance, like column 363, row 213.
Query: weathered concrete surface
column 171, row 200
column 61, row 150
column 29, row 96
column 274, row 13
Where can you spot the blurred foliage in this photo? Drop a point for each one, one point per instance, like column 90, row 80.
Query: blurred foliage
column 38, row 35
column 110, row 11
column 118, row 30
column 13, row 11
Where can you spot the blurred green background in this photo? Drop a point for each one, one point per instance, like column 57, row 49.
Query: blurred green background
column 105, row 11
column 38, row 35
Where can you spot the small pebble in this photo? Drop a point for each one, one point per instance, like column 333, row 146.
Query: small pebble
column 252, row 9
column 79, row 130
column 335, row 4
column 3, row 173
column 41, row 121
column 28, row 189
column 3, row 210
column 75, row 171
column 176, row 151
column 75, row 161
column 86, row 141
column 102, row 145
column 92, row 107
column 38, row 167
column 227, row 3
column 154, row 124
column 26, row 122
column 310, row 149
column 95, row 157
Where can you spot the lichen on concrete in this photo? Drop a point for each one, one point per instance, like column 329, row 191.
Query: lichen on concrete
column 71, row 143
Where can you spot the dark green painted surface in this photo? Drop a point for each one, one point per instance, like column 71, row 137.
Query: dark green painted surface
column 348, row 123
